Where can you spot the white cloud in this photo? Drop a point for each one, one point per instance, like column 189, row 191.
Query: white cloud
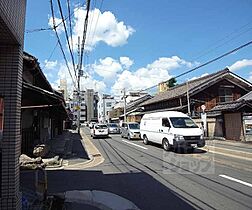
column 116, row 74
column 107, row 68
column 169, row 63
column 240, row 64
column 126, row 62
column 91, row 83
column 60, row 27
column 85, row 82
column 150, row 75
column 50, row 64
column 102, row 27
column 203, row 75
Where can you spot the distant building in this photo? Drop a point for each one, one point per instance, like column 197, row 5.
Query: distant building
column 104, row 107
column 74, row 106
column 91, row 99
column 63, row 88
column 162, row 87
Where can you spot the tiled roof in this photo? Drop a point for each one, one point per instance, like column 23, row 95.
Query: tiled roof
column 231, row 106
column 130, row 106
column 181, row 89
column 247, row 97
column 193, row 85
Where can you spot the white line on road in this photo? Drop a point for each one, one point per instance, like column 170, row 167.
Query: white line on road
column 134, row 144
column 235, row 180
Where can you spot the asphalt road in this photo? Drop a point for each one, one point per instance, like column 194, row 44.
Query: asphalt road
column 154, row 179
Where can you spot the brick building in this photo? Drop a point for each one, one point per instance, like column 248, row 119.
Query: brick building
column 12, row 18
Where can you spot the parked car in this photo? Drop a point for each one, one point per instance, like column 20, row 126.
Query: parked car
column 130, row 130
column 91, row 124
column 99, row 130
column 113, row 128
column 171, row 129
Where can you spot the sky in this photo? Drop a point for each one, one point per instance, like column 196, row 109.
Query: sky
column 137, row 44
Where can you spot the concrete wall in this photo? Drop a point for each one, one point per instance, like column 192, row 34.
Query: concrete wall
column 214, row 126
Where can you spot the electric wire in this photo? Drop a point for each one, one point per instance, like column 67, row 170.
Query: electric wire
column 205, row 52
column 220, row 45
column 91, row 42
column 49, row 58
column 202, row 65
column 67, row 37
column 56, row 25
column 70, row 22
column 61, row 47
column 92, row 18
column 84, row 33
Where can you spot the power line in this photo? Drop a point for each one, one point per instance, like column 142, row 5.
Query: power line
column 63, row 53
column 56, row 26
column 220, row 45
column 92, row 18
column 49, row 58
column 70, row 22
column 84, row 33
column 204, row 64
column 96, row 22
column 67, row 37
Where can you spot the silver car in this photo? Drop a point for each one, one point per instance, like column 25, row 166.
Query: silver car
column 130, row 130
column 113, row 128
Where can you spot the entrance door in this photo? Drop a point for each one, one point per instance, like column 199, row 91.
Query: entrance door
column 233, row 126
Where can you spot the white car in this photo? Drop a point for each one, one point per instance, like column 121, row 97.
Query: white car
column 99, row 130
column 171, row 129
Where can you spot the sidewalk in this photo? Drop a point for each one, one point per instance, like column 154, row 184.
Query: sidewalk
column 70, row 149
column 241, row 150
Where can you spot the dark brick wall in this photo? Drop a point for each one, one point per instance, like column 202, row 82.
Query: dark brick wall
column 10, row 89
column 12, row 14
column 12, row 19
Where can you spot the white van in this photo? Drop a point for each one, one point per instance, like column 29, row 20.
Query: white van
column 171, row 129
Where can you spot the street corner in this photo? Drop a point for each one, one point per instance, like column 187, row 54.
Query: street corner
column 95, row 157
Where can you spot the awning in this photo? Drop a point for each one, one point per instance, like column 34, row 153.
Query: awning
column 36, row 98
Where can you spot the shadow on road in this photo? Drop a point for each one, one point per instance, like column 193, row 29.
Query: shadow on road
column 139, row 187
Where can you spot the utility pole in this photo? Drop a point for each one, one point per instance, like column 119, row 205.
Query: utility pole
column 104, row 115
column 78, row 91
column 124, row 99
column 188, row 99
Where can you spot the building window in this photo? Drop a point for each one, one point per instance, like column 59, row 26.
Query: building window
column 108, row 104
column 225, row 95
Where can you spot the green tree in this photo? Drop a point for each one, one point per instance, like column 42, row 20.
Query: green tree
column 171, row 82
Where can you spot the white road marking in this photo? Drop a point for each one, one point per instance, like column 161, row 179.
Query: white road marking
column 235, row 180
column 134, row 144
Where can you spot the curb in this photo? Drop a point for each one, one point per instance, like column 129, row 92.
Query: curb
column 229, row 152
column 95, row 157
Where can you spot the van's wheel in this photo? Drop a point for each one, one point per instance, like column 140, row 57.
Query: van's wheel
column 145, row 140
column 128, row 137
column 166, row 145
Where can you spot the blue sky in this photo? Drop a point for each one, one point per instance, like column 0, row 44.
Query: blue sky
column 137, row 44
